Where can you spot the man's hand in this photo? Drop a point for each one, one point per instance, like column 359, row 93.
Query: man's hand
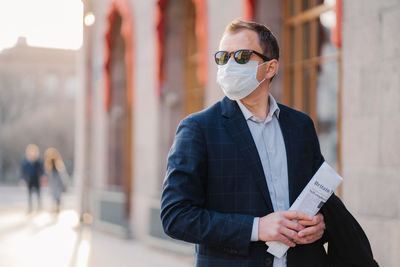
column 278, row 226
column 314, row 230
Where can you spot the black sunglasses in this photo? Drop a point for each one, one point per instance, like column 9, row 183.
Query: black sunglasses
column 241, row 56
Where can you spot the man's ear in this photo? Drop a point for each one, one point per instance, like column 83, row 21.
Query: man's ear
column 272, row 68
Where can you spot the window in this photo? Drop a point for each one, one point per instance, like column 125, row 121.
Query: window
column 70, row 86
column 51, row 84
column 312, row 68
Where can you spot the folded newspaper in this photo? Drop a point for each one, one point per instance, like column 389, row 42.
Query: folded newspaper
column 311, row 199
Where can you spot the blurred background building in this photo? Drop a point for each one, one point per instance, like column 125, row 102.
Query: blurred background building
column 37, row 92
column 145, row 65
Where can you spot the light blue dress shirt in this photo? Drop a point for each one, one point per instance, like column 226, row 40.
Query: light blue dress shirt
column 267, row 136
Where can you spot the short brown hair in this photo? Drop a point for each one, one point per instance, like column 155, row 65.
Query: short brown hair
column 266, row 38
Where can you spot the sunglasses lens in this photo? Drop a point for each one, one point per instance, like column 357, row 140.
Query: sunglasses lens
column 242, row 56
column 221, row 57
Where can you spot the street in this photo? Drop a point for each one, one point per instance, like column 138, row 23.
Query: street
column 43, row 238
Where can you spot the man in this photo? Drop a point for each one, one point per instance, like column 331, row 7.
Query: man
column 235, row 168
column 31, row 172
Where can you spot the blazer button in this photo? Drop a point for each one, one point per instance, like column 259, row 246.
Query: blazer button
column 268, row 261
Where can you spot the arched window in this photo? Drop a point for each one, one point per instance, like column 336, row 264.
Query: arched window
column 182, row 58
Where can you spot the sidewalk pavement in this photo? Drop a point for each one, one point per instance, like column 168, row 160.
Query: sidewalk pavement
column 48, row 239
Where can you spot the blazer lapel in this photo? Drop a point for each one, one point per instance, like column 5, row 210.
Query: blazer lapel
column 288, row 137
column 237, row 127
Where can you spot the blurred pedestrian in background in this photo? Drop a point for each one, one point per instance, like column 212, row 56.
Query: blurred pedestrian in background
column 31, row 173
column 57, row 175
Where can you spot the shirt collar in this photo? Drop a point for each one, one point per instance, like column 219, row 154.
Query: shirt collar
column 273, row 108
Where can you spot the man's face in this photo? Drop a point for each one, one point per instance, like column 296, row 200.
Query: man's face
column 244, row 39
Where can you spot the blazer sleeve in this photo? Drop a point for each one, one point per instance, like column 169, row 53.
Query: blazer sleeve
column 184, row 214
column 347, row 243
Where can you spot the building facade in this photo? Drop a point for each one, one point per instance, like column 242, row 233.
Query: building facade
column 148, row 64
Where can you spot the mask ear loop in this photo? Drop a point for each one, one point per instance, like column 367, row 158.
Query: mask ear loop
column 259, row 83
column 272, row 76
column 262, row 63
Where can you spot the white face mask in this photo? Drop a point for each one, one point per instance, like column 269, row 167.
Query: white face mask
column 238, row 80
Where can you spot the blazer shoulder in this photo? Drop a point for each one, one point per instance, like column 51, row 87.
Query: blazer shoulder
column 204, row 117
column 295, row 116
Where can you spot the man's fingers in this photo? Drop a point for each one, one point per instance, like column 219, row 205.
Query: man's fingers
column 311, row 230
column 296, row 215
column 307, row 222
column 308, row 231
column 288, row 233
column 320, row 226
column 309, row 238
column 315, row 220
column 283, row 239
column 283, row 226
column 293, row 225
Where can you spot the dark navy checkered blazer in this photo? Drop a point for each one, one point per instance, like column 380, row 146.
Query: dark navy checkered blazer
column 215, row 186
